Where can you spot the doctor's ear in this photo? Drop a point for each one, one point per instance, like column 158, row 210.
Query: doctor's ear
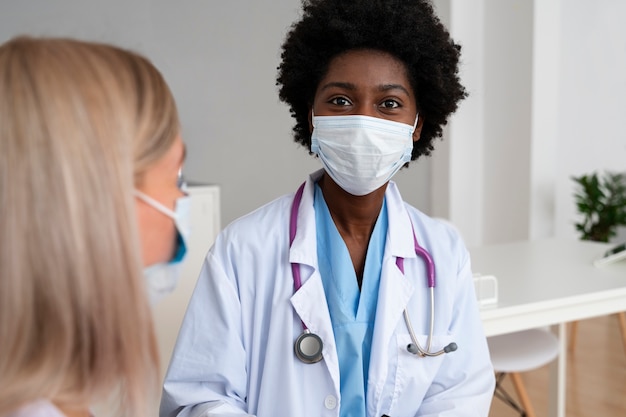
column 418, row 129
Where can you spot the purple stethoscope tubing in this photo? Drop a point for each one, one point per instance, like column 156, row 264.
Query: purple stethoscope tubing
column 293, row 224
column 430, row 272
column 308, row 346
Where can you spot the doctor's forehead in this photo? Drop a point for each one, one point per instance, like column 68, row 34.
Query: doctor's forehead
column 356, row 69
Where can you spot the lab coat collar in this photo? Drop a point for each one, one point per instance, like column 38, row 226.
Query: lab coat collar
column 400, row 230
column 302, row 251
column 399, row 235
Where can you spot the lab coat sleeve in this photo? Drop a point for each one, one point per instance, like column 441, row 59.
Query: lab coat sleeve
column 465, row 382
column 207, row 372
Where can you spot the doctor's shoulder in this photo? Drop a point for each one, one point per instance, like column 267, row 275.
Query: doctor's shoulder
column 437, row 234
column 431, row 225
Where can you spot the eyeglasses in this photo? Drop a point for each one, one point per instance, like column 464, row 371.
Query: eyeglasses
column 181, row 182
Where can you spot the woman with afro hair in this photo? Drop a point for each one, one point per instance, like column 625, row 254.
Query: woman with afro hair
column 321, row 303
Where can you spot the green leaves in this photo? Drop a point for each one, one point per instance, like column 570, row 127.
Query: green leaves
column 602, row 203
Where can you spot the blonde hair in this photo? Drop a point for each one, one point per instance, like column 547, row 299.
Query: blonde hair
column 79, row 124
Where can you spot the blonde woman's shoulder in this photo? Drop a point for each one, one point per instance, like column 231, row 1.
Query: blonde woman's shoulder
column 41, row 408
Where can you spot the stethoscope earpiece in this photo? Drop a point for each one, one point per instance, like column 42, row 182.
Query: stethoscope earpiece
column 416, row 350
column 411, row 348
column 308, row 347
column 450, row 348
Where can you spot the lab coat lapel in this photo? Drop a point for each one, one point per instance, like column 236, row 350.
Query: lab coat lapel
column 393, row 296
column 310, row 305
column 309, row 301
column 395, row 290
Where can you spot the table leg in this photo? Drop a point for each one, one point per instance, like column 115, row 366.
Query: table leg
column 621, row 316
column 558, row 377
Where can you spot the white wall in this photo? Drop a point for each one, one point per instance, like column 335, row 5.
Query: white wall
column 579, row 105
column 484, row 170
column 592, row 98
column 507, row 119
column 220, row 59
column 545, row 126
column 548, row 84
column 466, row 129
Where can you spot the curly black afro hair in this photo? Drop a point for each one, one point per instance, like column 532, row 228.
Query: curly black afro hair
column 407, row 29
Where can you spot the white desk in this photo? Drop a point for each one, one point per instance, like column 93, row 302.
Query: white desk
column 549, row 283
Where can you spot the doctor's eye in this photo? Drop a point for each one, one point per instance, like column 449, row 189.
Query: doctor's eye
column 390, row 104
column 340, row 101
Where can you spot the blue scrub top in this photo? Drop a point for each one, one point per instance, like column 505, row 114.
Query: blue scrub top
column 352, row 312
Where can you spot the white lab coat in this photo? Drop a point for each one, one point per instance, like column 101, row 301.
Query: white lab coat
column 234, row 353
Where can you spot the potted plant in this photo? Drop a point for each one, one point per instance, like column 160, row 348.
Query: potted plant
column 601, row 201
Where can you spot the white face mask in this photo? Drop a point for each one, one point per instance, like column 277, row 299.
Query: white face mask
column 361, row 153
column 162, row 278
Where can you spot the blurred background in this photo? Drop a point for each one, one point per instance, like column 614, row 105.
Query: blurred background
column 546, row 82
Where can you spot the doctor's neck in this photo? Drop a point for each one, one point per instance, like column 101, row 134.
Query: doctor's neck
column 353, row 214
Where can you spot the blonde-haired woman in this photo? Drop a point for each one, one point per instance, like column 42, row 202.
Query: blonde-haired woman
column 90, row 212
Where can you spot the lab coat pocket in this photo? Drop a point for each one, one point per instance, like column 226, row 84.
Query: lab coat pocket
column 416, row 373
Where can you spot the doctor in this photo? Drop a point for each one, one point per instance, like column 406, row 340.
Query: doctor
column 319, row 303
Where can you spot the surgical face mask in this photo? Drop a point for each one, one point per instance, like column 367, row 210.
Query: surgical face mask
column 361, row 153
column 162, row 278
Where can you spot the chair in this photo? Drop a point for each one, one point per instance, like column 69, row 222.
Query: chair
column 514, row 353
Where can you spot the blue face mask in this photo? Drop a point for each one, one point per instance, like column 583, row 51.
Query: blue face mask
column 161, row 278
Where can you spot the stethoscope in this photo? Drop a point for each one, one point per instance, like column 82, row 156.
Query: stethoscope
column 308, row 346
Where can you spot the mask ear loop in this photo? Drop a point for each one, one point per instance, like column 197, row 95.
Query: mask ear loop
column 155, row 204
column 417, row 118
column 181, row 245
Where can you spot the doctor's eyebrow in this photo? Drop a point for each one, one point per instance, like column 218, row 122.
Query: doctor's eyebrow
column 344, row 85
column 388, row 87
column 353, row 87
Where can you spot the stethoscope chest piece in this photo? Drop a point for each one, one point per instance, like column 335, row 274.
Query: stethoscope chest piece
column 308, row 347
